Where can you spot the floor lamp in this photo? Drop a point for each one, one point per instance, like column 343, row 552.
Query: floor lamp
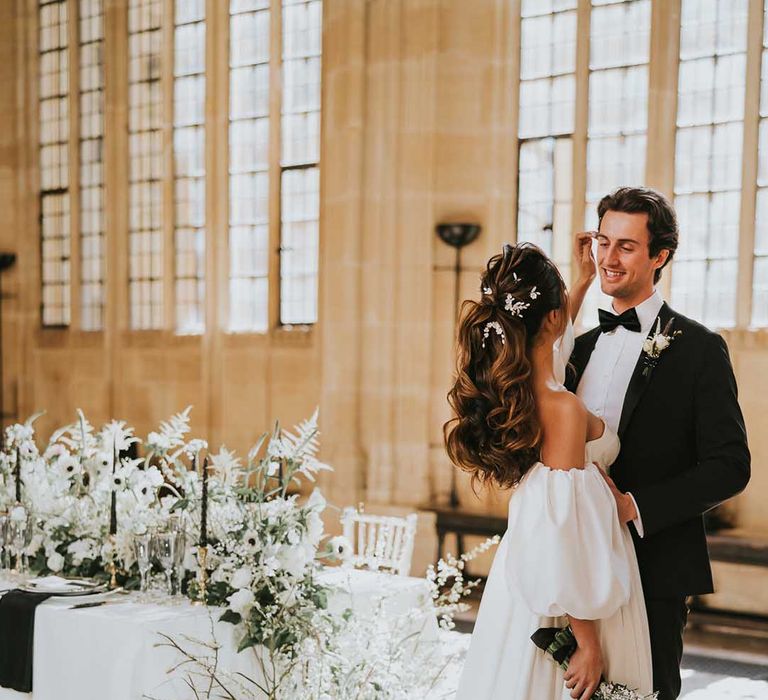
column 6, row 260
column 457, row 236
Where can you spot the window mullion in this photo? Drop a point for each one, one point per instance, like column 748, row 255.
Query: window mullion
column 749, row 164
column 74, row 164
column 581, row 120
column 168, row 170
column 275, row 174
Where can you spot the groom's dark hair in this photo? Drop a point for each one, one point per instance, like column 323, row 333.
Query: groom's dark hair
column 662, row 221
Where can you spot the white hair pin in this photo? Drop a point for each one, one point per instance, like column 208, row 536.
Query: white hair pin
column 495, row 325
column 514, row 307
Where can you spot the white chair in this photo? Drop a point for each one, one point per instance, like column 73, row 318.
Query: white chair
column 380, row 542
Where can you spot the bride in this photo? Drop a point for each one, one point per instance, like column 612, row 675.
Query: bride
column 565, row 558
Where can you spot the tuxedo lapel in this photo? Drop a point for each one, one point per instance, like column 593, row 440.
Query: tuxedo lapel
column 639, row 380
column 580, row 358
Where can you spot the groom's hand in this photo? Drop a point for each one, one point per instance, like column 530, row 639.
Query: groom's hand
column 624, row 502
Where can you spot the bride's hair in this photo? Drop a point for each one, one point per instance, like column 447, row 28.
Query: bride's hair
column 495, row 434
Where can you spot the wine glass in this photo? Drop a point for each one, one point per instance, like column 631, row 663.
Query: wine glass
column 142, row 546
column 164, row 545
column 178, row 565
column 5, row 558
column 18, row 537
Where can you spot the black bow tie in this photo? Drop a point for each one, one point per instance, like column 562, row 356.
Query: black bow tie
column 609, row 321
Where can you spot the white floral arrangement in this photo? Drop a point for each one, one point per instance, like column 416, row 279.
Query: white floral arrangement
column 67, row 491
column 265, row 544
column 361, row 653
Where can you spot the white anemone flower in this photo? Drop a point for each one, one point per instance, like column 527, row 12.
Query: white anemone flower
column 340, row 547
column 251, row 541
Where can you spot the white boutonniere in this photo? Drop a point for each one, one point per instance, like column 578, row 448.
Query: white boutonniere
column 654, row 345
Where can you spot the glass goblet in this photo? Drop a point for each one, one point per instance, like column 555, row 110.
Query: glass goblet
column 164, row 545
column 5, row 542
column 142, row 547
column 18, row 538
column 178, row 565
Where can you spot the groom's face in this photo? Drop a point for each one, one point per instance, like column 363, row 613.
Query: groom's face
column 626, row 269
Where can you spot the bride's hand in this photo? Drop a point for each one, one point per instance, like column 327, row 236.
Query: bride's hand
column 585, row 669
column 582, row 248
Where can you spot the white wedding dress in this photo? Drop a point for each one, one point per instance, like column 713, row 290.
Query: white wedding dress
column 564, row 552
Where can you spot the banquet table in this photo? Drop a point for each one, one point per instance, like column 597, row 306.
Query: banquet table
column 111, row 652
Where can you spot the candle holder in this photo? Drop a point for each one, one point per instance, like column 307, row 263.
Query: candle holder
column 112, row 568
column 202, row 575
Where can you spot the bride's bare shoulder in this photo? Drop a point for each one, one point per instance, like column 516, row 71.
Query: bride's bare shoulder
column 562, row 405
column 564, row 424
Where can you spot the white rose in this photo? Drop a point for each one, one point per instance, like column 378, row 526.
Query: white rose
column 241, row 601
column 219, row 576
column 55, row 562
column 271, row 565
column 154, row 476
column 292, row 559
column 80, row 549
column 18, row 513
column 662, row 343
column 242, row 578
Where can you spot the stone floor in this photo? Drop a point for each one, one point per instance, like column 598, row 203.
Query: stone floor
column 710, row 678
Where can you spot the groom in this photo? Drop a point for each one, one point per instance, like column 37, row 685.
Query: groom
column 683, row 441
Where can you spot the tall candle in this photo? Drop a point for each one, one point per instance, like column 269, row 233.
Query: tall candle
column 113, row 500
column 17, row 470
column 204, row 507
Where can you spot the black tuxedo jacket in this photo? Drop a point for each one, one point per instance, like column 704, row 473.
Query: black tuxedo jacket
column 683, row 451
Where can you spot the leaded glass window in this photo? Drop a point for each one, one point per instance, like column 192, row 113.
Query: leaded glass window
column 189, row 164
column 708, row 158
column 145, row 170
column 547, row 102
column 249, row 165
column 300, row 155
column 91, row 58
column 54, row 162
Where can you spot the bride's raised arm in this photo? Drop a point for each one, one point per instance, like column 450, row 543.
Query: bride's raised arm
column 586, row 272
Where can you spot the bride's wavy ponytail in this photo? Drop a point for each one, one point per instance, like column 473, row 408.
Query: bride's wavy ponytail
column 495, row 434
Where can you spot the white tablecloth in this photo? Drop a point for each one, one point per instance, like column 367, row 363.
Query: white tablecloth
column 111, row 653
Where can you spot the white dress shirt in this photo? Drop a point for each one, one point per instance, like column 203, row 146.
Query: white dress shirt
column 604, row 382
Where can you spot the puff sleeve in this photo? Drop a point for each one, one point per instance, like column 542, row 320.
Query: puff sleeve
column 567, row 553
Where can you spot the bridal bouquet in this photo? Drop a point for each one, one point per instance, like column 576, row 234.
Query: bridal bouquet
column 560, row 643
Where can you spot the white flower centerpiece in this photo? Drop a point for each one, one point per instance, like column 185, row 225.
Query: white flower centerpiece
column 68, row 491
column 264, row 542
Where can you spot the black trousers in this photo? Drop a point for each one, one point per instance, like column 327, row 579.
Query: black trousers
column 666, row 621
